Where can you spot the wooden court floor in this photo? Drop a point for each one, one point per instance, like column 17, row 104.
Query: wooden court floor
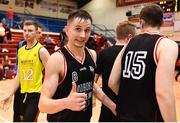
column 6, row 116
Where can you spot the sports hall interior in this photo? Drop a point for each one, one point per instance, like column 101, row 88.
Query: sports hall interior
column 52, row 16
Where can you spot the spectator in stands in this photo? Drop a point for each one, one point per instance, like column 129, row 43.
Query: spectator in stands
column 1, row 72
column 39, row 33
column 49, row 41
column 10, row 17
column 62, row 40
column 177, row 68
column 6, row 62
column 102, row 42
column 2, row 32
column 4, row 50
column 63, row 37
column 91, row 43
column 3, row 20
column 8, row 34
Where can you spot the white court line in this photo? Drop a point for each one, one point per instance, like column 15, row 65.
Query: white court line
column 2, row 119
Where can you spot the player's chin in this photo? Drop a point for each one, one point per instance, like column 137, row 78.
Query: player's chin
column 80, row 45
column 27, row 38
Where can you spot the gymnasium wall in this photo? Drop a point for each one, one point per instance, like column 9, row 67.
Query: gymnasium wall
column 105, row 12
column 37, row 10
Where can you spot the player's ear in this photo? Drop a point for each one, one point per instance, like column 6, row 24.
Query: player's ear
column 142, row 23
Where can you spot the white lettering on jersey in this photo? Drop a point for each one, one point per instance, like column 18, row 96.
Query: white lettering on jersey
column 134, row 64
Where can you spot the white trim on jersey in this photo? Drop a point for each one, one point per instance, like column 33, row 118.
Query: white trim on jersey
column 155, row 50
column 80, row 61
column 65, row 67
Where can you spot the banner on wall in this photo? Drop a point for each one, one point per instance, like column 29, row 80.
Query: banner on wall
column 131, row 2
column 177, row 25
column 4, row 2
column 54, row 6
column 49, row 5
column 177, row 21
column 25, row 3
column 168, row 19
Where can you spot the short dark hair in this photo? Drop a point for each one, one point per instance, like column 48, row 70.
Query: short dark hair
column 82, row 14
column 125, row 28
column 152, row 14
column 31, row 22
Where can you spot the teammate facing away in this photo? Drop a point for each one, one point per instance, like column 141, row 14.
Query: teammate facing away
column 143, row 73
column 69, row 77
column 105, row 60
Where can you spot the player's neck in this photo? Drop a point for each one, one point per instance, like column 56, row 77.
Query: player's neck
column 120, row 42
column 151, row 30
column 31, row 44
column 76, row 52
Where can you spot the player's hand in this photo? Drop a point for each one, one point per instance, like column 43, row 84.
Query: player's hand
column 5, row 103
column 113, row 109
column 76, row 101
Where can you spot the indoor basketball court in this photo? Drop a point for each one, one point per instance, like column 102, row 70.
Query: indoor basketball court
column 7, row 116
column 52, row 17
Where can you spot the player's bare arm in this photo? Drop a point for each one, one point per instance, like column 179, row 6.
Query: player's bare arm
column 167, row 54
column 114, row 79
column 44, row 55
column 98, row 92
column 54, row 72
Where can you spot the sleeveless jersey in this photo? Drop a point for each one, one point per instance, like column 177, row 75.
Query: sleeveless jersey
column 30, row 69
column 105, row 61
column 137, row 97
column 83, row 75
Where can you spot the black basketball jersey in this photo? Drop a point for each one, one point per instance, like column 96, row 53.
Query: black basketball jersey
column 137, row 98
column 83, row 75
column 105, row 61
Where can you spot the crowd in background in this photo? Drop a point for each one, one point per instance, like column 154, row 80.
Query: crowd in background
column 141, row 70
column 96, row 42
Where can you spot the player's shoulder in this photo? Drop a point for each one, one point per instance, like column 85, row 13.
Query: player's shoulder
column 166, row 42
column 92, row 53
column 58, row 55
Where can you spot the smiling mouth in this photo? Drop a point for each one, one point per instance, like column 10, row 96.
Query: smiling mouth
column 80, row 40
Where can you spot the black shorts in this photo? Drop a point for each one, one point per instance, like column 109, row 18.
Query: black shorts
column 30, row 109
column 106, row 115
column 17, row 107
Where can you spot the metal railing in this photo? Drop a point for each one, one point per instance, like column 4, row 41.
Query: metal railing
column 102, row 29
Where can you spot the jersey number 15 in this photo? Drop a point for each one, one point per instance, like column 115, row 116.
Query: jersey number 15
column 134, row 64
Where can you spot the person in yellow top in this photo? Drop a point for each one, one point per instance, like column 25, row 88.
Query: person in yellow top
column 32, row 58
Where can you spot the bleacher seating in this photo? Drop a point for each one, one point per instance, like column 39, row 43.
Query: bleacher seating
column 48, row 23
column 11, row 47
